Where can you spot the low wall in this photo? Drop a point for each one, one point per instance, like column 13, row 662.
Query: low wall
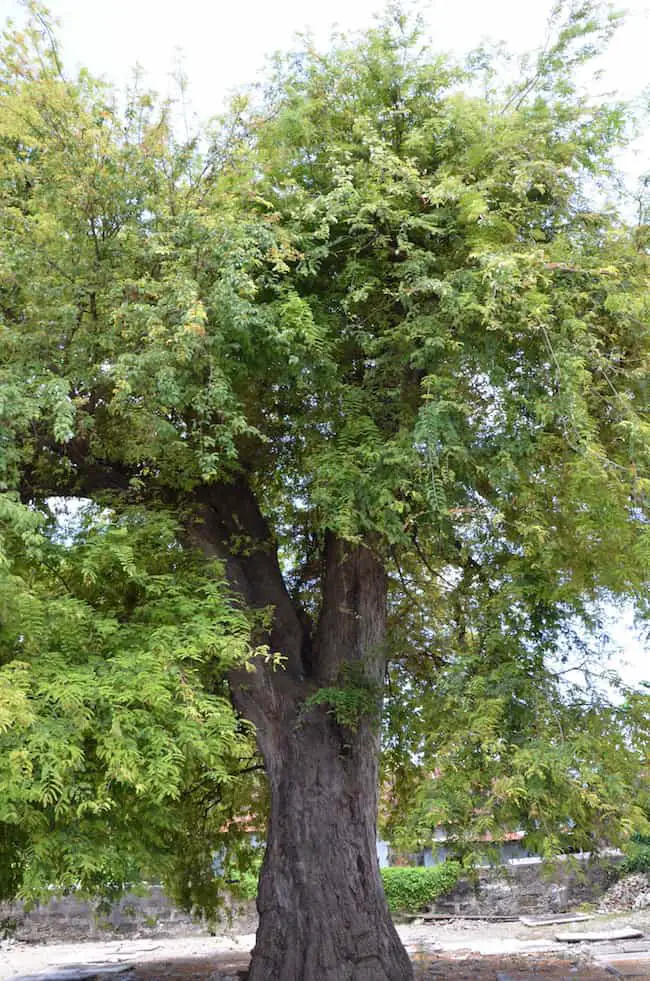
column 526, row 886
column 532, row 886
column 71, row 919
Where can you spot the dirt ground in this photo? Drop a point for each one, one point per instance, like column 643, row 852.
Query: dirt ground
column 437, row 968
column 460, row 950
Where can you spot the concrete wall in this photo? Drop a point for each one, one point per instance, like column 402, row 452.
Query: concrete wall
column 507, row 852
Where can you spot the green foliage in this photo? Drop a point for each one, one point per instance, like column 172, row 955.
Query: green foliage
column 248, row 885
column 508, row 743
column 391, row 305
column 638, row 854
column 410, row 890
column 243, row 883
column 355, row 699
column 111, row 647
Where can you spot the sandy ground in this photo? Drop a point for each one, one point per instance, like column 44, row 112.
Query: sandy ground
column 26, row 959
column 457, row 950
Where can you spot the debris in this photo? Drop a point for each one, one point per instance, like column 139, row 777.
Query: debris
column 461, row 917
column 630, row 892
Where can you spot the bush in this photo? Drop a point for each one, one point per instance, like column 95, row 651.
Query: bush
column 409, row 890
column 638, row 855
column 248, row 885
column 244, row 885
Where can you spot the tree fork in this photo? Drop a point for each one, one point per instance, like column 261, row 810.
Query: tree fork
column 323, row 913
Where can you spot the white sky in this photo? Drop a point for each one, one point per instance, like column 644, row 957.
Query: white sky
column 224, row 43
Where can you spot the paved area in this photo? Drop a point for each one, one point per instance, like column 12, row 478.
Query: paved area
column 18, row 960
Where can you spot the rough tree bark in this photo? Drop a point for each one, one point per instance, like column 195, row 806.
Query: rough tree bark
column 323, row 914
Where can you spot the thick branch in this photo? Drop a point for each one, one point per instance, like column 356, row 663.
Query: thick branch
column 224, row 521
column 352, row 623
column 228, row 524
column 238, row 531
column 70, row 470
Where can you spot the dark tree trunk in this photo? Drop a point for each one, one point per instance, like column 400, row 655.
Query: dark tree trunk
column 323, row 915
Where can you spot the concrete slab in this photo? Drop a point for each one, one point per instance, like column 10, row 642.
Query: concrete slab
column 537, row 921
column 78, row 972
column 598, row 936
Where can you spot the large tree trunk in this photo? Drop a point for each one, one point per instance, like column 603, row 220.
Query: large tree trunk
column 323, row 915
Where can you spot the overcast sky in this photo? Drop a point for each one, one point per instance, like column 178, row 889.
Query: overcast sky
column 224, row 44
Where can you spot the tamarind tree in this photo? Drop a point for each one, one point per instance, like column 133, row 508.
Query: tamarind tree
column 344, row 397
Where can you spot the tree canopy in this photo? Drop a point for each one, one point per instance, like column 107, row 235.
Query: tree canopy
column 386, row 303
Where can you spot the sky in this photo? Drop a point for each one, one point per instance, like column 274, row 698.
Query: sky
column 223, row 45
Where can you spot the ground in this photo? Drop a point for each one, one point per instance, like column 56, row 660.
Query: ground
column 447, row 967
column 460, row 950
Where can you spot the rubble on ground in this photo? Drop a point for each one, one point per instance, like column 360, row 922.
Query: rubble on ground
column 629, row 893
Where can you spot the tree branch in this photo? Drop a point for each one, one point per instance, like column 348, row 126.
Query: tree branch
column 226, row 522
column 351, row 627
column 86, row 475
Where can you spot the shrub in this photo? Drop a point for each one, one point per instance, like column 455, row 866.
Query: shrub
column 409, row 890
column 248, row 885
column 638, row 855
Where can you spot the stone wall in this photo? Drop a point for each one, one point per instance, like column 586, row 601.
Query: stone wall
column 70, row 919
column 532, row 886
